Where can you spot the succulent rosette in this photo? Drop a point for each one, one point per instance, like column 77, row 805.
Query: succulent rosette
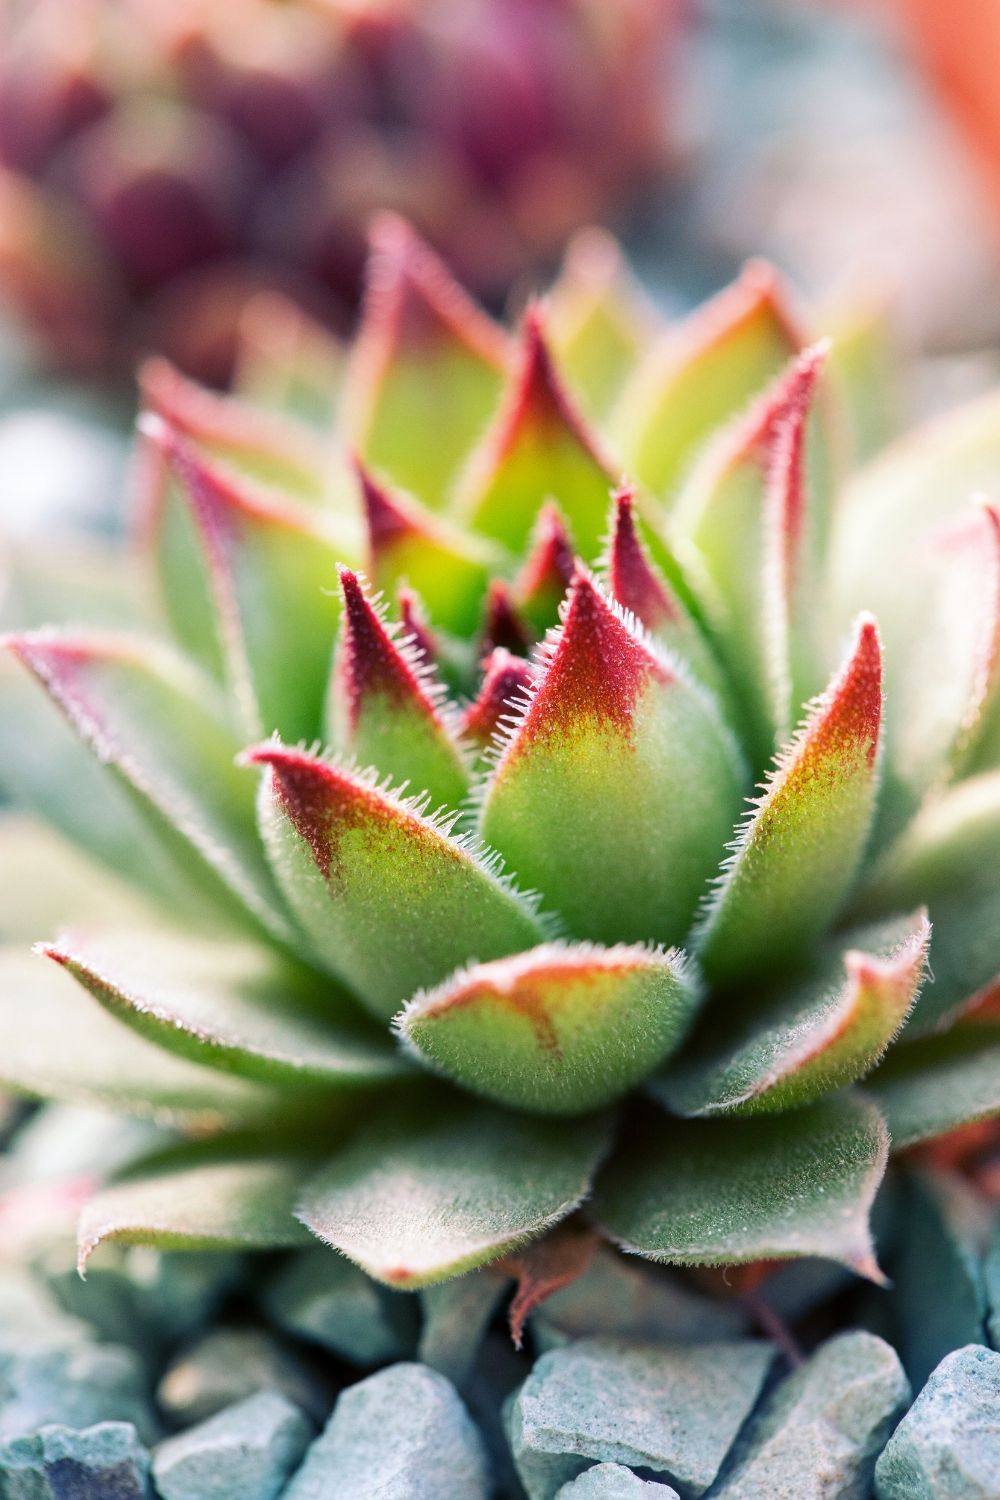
column 162, row 162
column 566, row 792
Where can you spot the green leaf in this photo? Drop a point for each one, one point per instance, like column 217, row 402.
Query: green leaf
column 754, row 513
column 230, row 1006
column 439, row 1186
column 558, row 1030
column 619, row 764
column 57, row 1044
column 240, row 1204
column 598, row 320
column 423, row 349
column 942, row 652
column 795, row 858
column 385, row 705
column 538, row 449
column 390, row 901
column 937, row 1083
column 808, row 1038
column 288, row 361
column 408, row 545
column 724, row 1192
column 259, row 445
column 948, row 860
column 271, row 568
column 156, row 725
column 698, row 376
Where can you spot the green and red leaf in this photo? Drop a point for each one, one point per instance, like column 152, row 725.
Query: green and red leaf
column 385, row 704
column 557, row 1030
column 389, row 899
column 795, row 859
column 427, row 367
column 618, row 764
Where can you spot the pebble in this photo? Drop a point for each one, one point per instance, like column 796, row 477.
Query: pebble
column 947, row 1447
column 245, row 1452
column 229, row 1364
column 104, row 1462
column 819, row 1433
column 402, row 1434
column 78, row 1384
column 673, row 1410
column 320, row 1296
column 613, row 1482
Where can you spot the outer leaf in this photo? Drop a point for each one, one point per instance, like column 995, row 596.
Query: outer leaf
column 808, row 1039
column 916, row 485
column 449, row 570
column 57, row 1044
column 154, row 723
column 943, row 662
column 618, row 765
column 930, row 1086
column 698, row 376
column 229, row 1006
column 538, row 449
column 288, row 361
column 424, row 351
column 557, row 1030
column 724, row 1192
column 948, row 858
column 385, row 705
column 242, row 1204
column 271, row 566
column 795, row 858
column 598, row 319
column 755, row 513
column 390, row 901
column 434, row 1189
column 260, row 445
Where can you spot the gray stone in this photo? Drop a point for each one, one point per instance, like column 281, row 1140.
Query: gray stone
column 402, row 1434
column 947, row 1447
column 613, row 1482
column 991, row 1279
column 622, row 1297
column 320, row 1296
column 821, row 1430
column 77, row 1384
column 673, row 1410
column 456, row 1316
column 245, row 1452
column 105, row 1462
column 230, row 1364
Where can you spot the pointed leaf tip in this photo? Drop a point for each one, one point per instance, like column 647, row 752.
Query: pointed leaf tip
column 503, row 625
column 632, row 578
column 502, row 695
column 539, row 447
column 541, row 585
column 557, row 1030
column 794, row 859
column 384, row 708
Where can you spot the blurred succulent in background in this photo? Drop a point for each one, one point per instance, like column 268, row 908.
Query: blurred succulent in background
column 162, row 161
column 515, row 942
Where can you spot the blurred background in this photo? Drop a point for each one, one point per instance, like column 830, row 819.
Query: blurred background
column 185, row 176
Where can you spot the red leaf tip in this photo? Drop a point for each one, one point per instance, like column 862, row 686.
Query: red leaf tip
column 550, row 561
column 370, row 663
column 633, row 579
column 506, row 682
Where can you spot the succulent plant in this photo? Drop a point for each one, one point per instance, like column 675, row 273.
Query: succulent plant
column 471, row 917
column 190, row 155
